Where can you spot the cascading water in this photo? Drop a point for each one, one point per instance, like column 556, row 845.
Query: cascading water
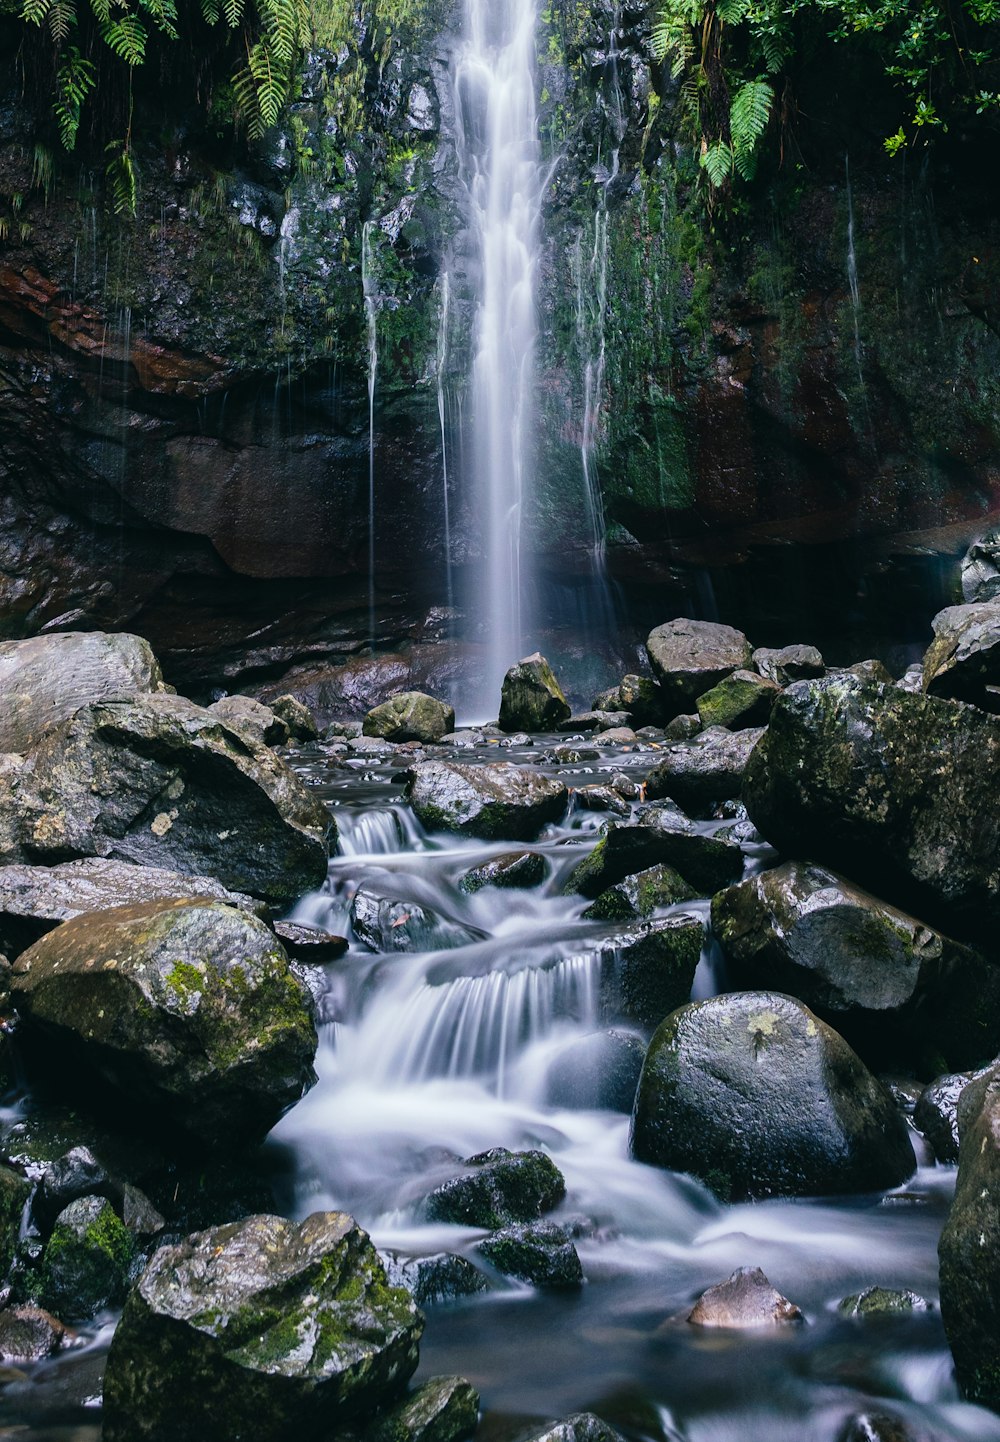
column 369, row 284
column 441, row 368
column 500, row 159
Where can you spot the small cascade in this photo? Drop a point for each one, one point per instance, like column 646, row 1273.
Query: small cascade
column 855, row 290
column 370, row 288
column 499, row 154
column 441, row 367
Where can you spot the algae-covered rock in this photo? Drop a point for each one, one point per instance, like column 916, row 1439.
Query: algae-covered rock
column 881, row 977
column 161, row 782
column 498, row 802
column 185, row 1006
column 740, row 700
column 758, row 1097
column 689, row 657
column 511, row 871
column 445, row 1409
column 262, row 1329
column 411, row 716
column 441, row 1277
column 699, row 773
column 746, row 1300
column 297, row 717
column 45, row 679
column 539, row 1253
column 531, row 698
column 895, row 790
column 637, row 897
column 882, row 1302
column 500, row 1187
column 661, row 835
column 652, row 969
column 86, row 1262
column 14, row 1193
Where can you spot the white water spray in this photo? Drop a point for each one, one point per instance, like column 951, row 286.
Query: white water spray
column 370, row 287
column 442, row 370
column 500, row 158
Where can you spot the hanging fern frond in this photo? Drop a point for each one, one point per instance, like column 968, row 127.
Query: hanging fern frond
column 717, row 162
column 102, row 11
column 774, row 50
column 75, row 78
column 121, row 177
column 35, row 11
column 750, row 112
column 61, row 19
column 731, row 12
column 233, row 12
column 163, row 14
column 127, row 38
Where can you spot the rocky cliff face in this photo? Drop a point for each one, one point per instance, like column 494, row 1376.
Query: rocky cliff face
column 184, row 437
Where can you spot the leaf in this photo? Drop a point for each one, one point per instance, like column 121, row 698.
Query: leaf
column 75, row 78
column 717, row 161
column 121, row 178
column 749, row 114
column 127, row 38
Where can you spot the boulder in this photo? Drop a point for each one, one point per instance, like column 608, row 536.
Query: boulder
column 188, row 1007
column 882, row 1302
column 682, row 728
column 511, row 871
column 309, row 944
column 46, row 679
column 599, row 1072
column 441, row 1277
column 445, row 1409
column 262, row 1329
column 745, row 1301
column 252, row 719
column 86, row 1262
column 79, row 1174
column 898, row 791
column 885, row 980
column 497, row 802
column 297, row 717
column 388, row 923
column 981, row 569
column 161, row 782
column 411, row 716
column 788, row 664
column 500, row 1187
column 636, row 697
column 598, row 797
column 757, row 1097
column 661, row 835
column 651, row 970
column 872, row 670
column 689, row 657
column 637, row 897
column 969, row 1249
column 594, row 721
column 740, row 700
column 539, row 1253
column 581, row 1427
column 936, row 1114
column 29, row 1334
column 698, row 774
column 35, row 899
column 964, row 657
column 531, row 698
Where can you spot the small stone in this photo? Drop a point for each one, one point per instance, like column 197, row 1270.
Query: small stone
column 682, row 728
column 746, row 1300
column 444, row 1409
column 882, row 1302
column 497, row 802
column 28, row 1334
column 539, row 1253
column 433, row 1280
column 600, row 798
column 309, row 943
column 637, row 897
column 581, row 1427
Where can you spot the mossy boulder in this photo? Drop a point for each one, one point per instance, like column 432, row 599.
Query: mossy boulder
column 511, row 871
column 445, row 1409
column 650, row 970
column 882, row 1302
column 757, row 1097
column 969, row 1249
column 301, row 722
column 639, row 697
column 789, row 663
column 188, row 1007
column 411, row 716
column 895, row 987
column 740, row 700
column 497, row 802
column 46, row 679
column 539, row 1253
column 709, row 768
column 661, row 835
column 964, row 657
column 689, row 657
column 897, row 791
column 531, row 698
column 260, row 1329
column 86, row 1262
column 162, row 782
column 500, row 1187
column 636, row 898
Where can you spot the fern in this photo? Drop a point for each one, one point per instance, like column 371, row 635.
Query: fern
column 233, row 11
column 75, row 78
column 163, row 14
column 102, row 11
column 127, row 38
column 121, row 177
column 35, row 11
column 717, row 161
column 749, row 114
column 61, row 17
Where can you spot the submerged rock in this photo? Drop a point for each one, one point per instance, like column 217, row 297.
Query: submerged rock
column 501, row 1187
column 698, row 774
column 689, row 657
column 637, row 897
column 755, row 1096
column 46, row 679
column 36, row 899
column 511, row 871
column 390, row 924
column 185, row 1006
column 411, row 716
column 746, row 1300
column 260, row 1329
column 741, row 700
column 882, row 1302
column 871, row 970
column 445, row 1409
column 969, row 1249
column 898, row 791
column 531, row 698
column 498, row 802
column 878, row 1427
column 161, row 782
column 86, row 1262
column 538, row 1253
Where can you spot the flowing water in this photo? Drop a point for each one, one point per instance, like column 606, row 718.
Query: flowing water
column 369, row 282
column 500, row 160
column 463, row 1040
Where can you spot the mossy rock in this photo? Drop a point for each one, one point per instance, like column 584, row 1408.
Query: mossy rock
column 689, row 657
column 661, row 835
column 445, row 1409
column 740, row 700
column 512, row 871
column 498, row 802
column 14, row 1193
column 86, row 1262
column 882, row 1302
column 652, row 970
column 411, row 716
column 531, row 698
column 637, row 897
column 500, row 1187
column 539, row 1253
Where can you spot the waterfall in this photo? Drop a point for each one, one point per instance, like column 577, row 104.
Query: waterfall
column 370, row 289
column 499, row 153
column 442, row 368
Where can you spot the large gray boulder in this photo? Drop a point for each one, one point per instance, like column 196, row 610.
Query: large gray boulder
column 35, row 899
column 411, row 716
column 964, row 657
column 252, row 719
column 969, row 1249
column 758, row 1097
column 886, row 981
column 261, row 1329
column 498, row 802
column 531, row 698
column 162, row 782
column 46, row 679
column 698, row 774
column 789, row 663
column 690, row 657
column 187, row 1007
column 897, row 791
